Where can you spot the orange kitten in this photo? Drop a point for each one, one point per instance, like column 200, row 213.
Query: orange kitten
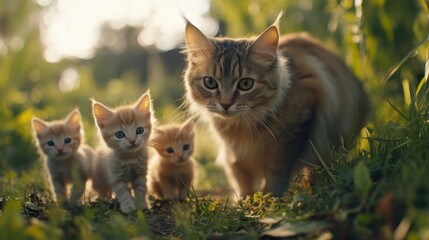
column 123, row 158
column 266, row 99
column 67, row 160
column 171, row 168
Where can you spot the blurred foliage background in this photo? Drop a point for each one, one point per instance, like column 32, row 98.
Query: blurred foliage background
column 372, row 36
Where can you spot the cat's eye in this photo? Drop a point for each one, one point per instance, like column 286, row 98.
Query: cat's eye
column 139, row 130
column 170, row 150
column 119, row 134
column 185, row 147
column 245, row 84
column 210, row 83
column 67, row 140
column 50, row 143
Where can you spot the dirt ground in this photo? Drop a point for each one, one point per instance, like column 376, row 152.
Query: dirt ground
column 159, row 217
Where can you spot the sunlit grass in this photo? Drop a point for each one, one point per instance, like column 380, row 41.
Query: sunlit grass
column 381, row 191
column 377, row 189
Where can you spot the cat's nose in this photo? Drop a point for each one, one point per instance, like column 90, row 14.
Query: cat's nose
column 132, row 141
column 226, row 105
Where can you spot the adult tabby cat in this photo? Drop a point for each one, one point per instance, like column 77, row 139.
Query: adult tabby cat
column 266, row 99
column 122, row 160
column 68, row 160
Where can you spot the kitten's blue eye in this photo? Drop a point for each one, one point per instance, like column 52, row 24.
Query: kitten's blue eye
column 170, row 150
column 139, row 130
column 119, row 134
column 245, row 84
column 210, row 83
column 51, row 143
column 185, row 147
column 67, row 140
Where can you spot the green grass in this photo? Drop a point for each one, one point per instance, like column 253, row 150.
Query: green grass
column 377, row 189
column 380, row 191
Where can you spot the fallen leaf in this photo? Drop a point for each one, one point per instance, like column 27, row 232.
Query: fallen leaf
column 291, row 229
column 270, row 221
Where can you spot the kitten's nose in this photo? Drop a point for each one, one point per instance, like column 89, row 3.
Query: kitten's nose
column 226, row 105
column 132, row 141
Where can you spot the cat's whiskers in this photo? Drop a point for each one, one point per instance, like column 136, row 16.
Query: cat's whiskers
column 199, row 115
column 273, row 115
column 252, row 129
column 193, row 116
column 259, row 118
column 178, row 113
column 196, row 117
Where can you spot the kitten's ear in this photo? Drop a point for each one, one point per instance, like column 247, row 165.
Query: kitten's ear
column 158, row 133
column 144, row 103
column 266, row 44
column 74, row 118
column 38, row 125
column 101, row 113
column 155, row 135
column 196, row 42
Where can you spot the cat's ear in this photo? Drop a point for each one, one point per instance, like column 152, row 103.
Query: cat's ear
column 38, row 125
column 158, row 133
column 265, row 46
column 155, row 136
column 144, row 103
column 74, row 118
column 101, row 113
column 197, row 43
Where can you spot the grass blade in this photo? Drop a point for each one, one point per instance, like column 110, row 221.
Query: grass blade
column 331, row 175
column 425, row 5
column 395, row 67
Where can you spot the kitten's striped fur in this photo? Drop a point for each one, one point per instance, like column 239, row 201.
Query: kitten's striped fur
column 266, row 98
column 123, row 158
column 68, row 161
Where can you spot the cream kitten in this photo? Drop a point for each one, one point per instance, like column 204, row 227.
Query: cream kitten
column 67, row 160
column 123, row 160
column 266, row 99
column 171, row 168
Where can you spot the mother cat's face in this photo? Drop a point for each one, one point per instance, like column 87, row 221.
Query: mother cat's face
column 228, row 77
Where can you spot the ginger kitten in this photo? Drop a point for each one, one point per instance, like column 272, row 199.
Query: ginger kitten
column 68, row 160
column 171, row 168
column 123, row 158
column 266, row 98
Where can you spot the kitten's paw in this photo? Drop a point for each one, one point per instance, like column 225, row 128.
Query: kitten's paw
column 127, row 208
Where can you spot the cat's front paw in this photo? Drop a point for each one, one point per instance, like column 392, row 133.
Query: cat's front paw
column 127, row 208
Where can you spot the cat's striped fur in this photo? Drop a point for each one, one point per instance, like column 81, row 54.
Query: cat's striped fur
column 266, row 98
